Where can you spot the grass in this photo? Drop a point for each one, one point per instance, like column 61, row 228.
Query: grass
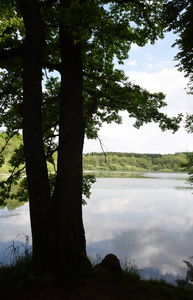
column 14, row 143
column 16, row 279
column 15, row 268
column 130, row 266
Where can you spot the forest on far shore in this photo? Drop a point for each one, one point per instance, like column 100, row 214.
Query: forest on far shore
column 109, row 161
column 135, row 162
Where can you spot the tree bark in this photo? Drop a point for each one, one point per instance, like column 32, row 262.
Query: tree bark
column 58, row 237
column 36, row 169
column 67, row 196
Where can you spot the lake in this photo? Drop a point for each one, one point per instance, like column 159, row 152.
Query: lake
column 146, row 217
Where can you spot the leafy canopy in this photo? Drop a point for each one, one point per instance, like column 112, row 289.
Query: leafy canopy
column 106, row 30
column 178, row 17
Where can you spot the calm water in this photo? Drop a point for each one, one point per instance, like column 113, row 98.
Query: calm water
column 145, row 216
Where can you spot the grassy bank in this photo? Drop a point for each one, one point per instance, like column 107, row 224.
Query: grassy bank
column 18, row 283
column 101, row 282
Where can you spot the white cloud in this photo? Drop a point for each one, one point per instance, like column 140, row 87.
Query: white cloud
column 134, row 47
column 170, row 82
column 150, row 138
column 149, row 57
column 154, row 70
column 149, row 66
column 132, row 63
column 162, row 64
column 158, row 80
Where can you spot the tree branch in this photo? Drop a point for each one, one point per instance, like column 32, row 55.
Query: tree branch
column 8, row 140
column 101, row 145
column 47, row 3
column 7, row 30
column 52, row 66
column 8, row 54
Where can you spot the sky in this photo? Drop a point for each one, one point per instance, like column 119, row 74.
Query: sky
column 152, row 67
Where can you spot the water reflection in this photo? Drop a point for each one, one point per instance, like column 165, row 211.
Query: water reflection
column 146, row 216
column 13, row 223
column 150, row 220
column 159, row 253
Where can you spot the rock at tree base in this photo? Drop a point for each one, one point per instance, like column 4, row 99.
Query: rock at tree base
column 110, row 264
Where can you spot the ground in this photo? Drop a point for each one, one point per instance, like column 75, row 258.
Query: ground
column 106, row 281
column 87, row 289
column 96, row 289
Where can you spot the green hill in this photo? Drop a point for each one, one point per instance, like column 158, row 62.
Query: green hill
column 7, row 152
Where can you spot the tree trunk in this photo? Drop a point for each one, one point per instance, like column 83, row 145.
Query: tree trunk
column 36, row 169
column 71, row 245
column 57, row 227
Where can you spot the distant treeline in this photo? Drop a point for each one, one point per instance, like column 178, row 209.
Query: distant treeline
column 110, row 161
column 119, row 161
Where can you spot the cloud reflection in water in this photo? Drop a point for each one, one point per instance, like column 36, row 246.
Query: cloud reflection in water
column 12, row 224
column 152, row 224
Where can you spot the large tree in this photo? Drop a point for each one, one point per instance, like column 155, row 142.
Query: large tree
column 178, row 16
column 79, row 40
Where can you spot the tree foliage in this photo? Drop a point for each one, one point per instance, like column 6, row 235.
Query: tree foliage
column 118, row 161
column 106, row 30
column 178, row 17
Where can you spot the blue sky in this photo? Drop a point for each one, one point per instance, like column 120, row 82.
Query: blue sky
column 152, row 67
